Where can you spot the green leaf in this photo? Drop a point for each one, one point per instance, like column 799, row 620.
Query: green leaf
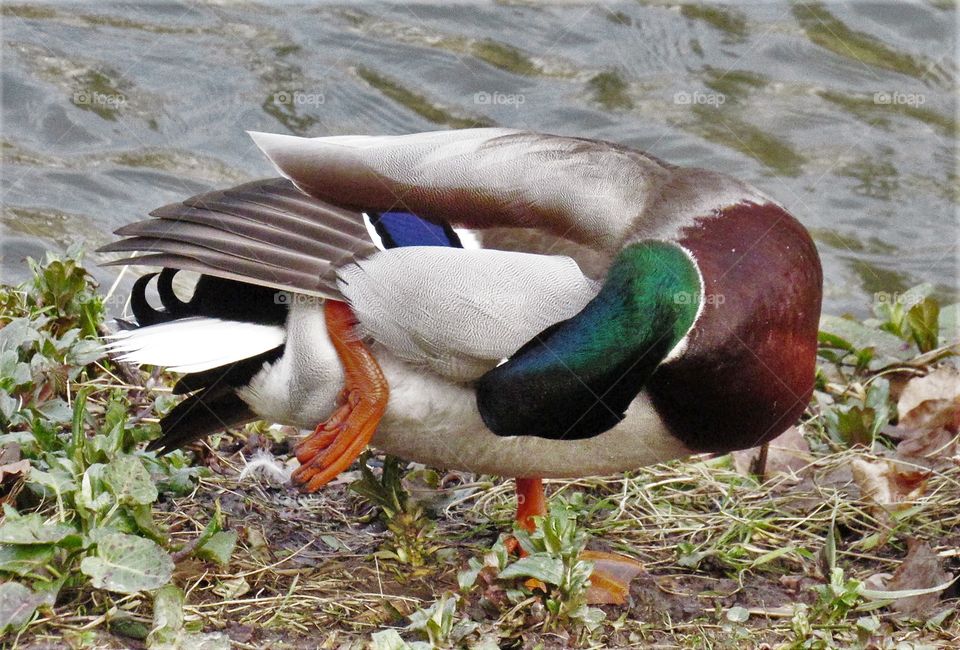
column 834, row 341
column 129, row 627
column 388, row 640
column 950, row 323
column 167, row 616
column 540, row 566
column 8, row 405
column 233, row 588
column 25, row 559
column 923, row 319
column 56, row 410
column 219, row 547
column 19, row 332
column 737, row 615
column 79, row 412
column 17, row 605
column 214, row 526
column 887, row 347
column 143, row 517
column 93, row 497
column 468, row 577
column 31, row 529
column 130, row 481
column 179, row 483
column 127, row 564
column 168, row 631
column 56, row 480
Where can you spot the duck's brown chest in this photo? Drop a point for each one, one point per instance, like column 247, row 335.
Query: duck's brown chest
column 748, row 371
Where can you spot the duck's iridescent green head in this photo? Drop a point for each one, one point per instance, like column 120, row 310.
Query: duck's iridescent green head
column 577, row 378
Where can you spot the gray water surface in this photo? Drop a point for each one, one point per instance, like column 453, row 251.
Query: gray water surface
column 844, row 112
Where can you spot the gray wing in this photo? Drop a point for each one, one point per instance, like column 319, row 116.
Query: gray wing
column 586, row 191
column 461, row 311
column 265, row 232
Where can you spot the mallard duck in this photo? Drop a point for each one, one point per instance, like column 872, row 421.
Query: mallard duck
column 487, row 300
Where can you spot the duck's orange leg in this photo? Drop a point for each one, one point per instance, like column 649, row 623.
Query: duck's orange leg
column 531, row 502
column 612, row 573
column 336, row 443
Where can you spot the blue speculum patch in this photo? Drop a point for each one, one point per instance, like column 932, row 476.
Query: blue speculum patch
column 397, row 229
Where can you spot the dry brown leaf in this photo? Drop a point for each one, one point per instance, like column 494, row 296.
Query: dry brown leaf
column 921, row 569
column 9, row 453
column 932, row 401
column 929, row 415
column 885, row 486
column 933, row 446
column 10, row 476
column 13, row 471
column 877, row 581
column 788, row 453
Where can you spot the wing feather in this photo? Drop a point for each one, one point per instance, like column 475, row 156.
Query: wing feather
column 266, row 232
column 461, row 311
column 588, row 191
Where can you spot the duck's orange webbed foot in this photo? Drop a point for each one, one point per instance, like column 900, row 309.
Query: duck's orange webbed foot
column 336, row 443
column 612, row 572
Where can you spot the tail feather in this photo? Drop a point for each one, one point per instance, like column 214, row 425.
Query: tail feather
column 213, row 297
column 196, row 343
column 233, row 375
column 198, row 416
column 224, row 314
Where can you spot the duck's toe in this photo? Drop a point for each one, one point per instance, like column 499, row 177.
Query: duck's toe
column 336, row 443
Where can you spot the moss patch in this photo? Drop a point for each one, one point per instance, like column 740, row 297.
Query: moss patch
column 830, row 33
column 97, row 92
column 28, row 12
column 505, row 57
column 775, row 153
column 836, row 239
column 877, row 179
column 733, row 84
column 730, row 22
column 874, row 279
column 610, row 90
column 868, row 110
column 418, row 103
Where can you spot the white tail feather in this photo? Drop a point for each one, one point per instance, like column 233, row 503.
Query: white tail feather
column 196, row 343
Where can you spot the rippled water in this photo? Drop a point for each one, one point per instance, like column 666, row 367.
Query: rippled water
column 844, row 112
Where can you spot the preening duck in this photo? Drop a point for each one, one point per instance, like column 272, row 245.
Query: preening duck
column 487, row 300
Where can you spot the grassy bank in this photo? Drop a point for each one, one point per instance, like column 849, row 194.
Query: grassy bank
column 848, row 535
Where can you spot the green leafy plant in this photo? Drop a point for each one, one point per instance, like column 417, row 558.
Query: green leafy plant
column 80, row 513
column 904, row 324
column 550, row 573
column 838, row 597
column 858, row 421
column 169, row 630
column 439, row 624
column 410, row 529
column 913, row 316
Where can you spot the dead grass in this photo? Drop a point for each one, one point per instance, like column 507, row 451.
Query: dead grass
column 305, row 575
